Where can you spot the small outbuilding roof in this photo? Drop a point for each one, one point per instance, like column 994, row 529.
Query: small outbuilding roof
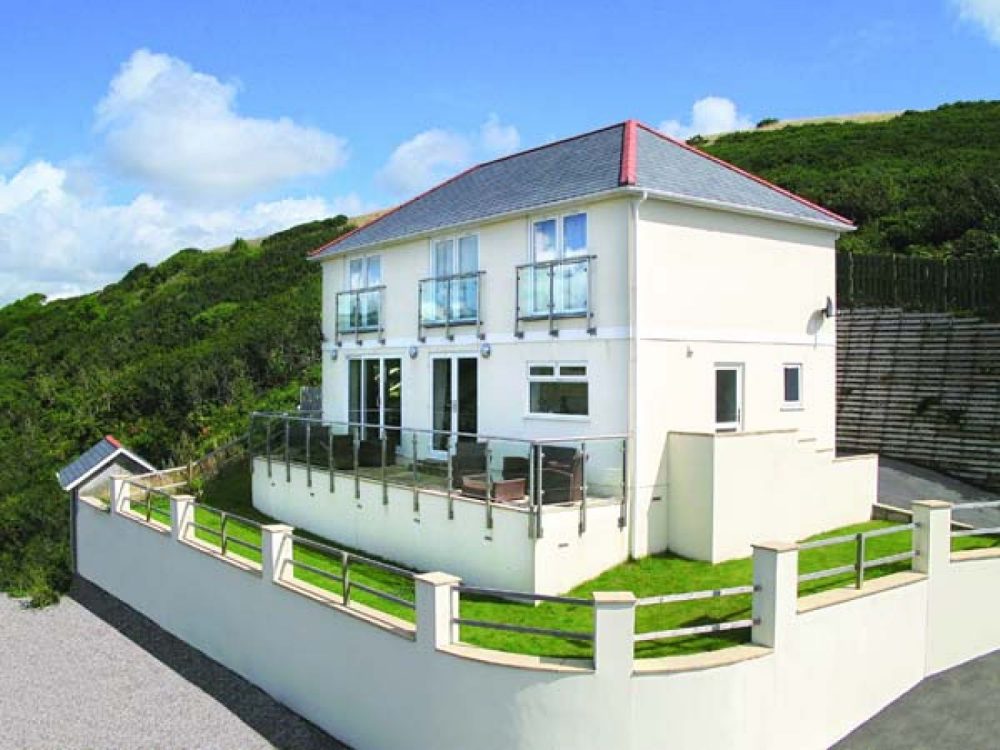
column 622, row 157
column 94, row 459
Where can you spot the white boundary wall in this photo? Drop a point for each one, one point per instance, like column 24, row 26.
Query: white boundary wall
column 505, row 556
column 820, row 666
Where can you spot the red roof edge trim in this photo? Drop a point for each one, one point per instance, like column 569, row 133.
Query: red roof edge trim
column 344, row 236
column 628, row 169
column 111, row 439
column 744, row 173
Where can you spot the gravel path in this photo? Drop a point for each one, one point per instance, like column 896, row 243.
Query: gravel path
column 93, row 673
column 900, row 484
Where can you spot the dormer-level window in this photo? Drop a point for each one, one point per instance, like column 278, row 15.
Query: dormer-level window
column 365, row 272
column 556, row 283
column 451, row 295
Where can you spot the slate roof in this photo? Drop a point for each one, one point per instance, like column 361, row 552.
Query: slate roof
column 628, row 155
column 94, row 459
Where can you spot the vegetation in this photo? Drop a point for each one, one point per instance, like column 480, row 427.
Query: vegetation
column 923, row 183
column 651, row 576
column 170, row 359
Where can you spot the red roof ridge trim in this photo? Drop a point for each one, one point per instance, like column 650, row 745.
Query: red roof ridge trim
column 627, row 175
column 744, row 173
column 113, row 440
column 473, row 168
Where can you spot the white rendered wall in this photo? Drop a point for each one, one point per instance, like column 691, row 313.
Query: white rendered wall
column 505, row 556
column 731, row 489
column 833, row 664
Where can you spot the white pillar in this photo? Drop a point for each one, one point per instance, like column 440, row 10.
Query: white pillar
column 932, row 537
column 116, row 489
column 614, row 632
column 275, row 550
column 437, row 606
column 776, row 577
column 181, row 512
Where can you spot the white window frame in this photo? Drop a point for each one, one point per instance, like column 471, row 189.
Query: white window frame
column 557, row 377
column 366, row 282
column 433, row 272
column 793, row 405
column 740, row 369
column 560, row 238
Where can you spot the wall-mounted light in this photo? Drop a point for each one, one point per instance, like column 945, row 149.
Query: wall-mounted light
column 485, row 350
column 334, row 354
column 413, row 352
column 828, row 311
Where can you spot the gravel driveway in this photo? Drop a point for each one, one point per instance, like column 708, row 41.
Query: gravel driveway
column 93, row 673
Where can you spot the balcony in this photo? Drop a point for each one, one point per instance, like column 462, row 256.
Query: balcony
column 450, row 301
column 359, row 311
column 555, row 290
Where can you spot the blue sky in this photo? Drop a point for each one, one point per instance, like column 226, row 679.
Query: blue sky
column 131, row 129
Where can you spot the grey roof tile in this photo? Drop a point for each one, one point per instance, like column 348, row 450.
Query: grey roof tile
column 574, row 168
column 91, row 459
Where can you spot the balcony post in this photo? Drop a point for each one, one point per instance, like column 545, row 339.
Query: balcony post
column 447, row 309
column 449, row 448
column 336, row 322
column 420, row 312
column 267, row 446
column 479, row 305
column 623, row 513
column 532, row 510
column 416, row 492
column 329, row 456
column 288, row 455
column 541, row 491
column 518, row 333
column 583, row 488
column 356, row 317
column 552, row 301
column 591, row 329
column 381, row 317
column 356, row 443
column 309, row 474
column 489, row 489
column 385, row 484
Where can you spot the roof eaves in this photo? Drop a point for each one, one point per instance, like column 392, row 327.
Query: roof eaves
column 760, row 180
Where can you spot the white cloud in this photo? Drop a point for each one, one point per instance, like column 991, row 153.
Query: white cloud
column 710, row 115
column 985, row 13
column 176, row 131
column 61, row 242
column 436, row 154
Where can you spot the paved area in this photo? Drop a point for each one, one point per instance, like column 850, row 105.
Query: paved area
column 955, row 710
column 900, row 484
column 93, row 673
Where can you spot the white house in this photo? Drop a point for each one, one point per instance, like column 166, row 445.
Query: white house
column 608, row 346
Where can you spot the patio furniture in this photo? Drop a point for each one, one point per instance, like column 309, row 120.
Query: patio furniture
column 504, row 490
column 562, row 473
column 369, row 453
column 469, row 458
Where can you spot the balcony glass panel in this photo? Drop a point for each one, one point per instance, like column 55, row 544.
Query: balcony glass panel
column 449, row 300
column 565, row 283
column 359, row 310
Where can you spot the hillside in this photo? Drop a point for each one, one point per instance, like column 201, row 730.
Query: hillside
column 922, row 183
column 172, row 358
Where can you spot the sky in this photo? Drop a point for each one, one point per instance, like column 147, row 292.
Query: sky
column 132, row 129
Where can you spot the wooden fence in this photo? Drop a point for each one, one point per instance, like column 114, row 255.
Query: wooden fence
column 959, row 285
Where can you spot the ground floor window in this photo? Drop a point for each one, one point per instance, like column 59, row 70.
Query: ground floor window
column 792, row 386
column 558, row 388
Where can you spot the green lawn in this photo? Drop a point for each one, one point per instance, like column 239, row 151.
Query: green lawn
column 656, row 575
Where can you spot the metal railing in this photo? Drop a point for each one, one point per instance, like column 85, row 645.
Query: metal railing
column 513, row 472
column 344, row 559
column 553, row 290
column 360, row 311
column 504, row 594
column 146, row 502
column 222, row 533
column 860, row 564
column 449, row 301
column 977, row 531
column 715, row 627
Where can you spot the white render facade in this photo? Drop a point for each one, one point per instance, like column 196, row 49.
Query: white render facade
column 697, row 330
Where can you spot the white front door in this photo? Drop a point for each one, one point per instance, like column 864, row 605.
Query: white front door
column 728, row 397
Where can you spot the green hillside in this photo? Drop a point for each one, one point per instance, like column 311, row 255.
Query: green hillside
column 171, row 359
column 922, row 183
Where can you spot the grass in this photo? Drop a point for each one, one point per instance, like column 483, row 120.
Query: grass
column 650, row 576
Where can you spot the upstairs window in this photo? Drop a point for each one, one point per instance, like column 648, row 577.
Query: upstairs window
column 365, row 272
column 557, row 388
column 792, row 386
column 559, row 238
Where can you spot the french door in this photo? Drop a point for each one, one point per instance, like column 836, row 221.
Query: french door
column 728, row 397
column 375, row 396
column 454, row 400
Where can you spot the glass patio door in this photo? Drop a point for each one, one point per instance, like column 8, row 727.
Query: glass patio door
column 455, row 399
column 728, row 397
column 375, row 396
